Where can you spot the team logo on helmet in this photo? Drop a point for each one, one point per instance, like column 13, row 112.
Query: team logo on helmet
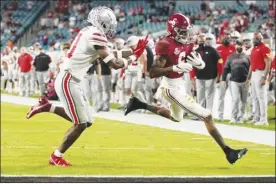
column 176, row 51
column 173, row 22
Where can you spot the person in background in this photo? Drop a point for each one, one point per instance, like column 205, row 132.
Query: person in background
column 272, row 85
column 260, row 59
column 24, row 65
column 41, row 64
column 224, row 51
column 247, row 49
column 210, row 40
column 238, row 65
column 11, row 61
column 89, row 82
column 50, row 92
column 62, row 56
column 4, row 68
column 207, row 77
column 33, row 81
column 235, row 36
column 116, row 90
column 104, row 85
column 271, row 82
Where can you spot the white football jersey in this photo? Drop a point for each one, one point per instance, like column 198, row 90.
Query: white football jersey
column 82, row 52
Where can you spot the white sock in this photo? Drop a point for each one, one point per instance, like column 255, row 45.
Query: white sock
column 58, row 154
column 52, row 109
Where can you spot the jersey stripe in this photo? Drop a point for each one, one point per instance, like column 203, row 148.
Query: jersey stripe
column 97, row 39
column 98, row 34
column 74, row 46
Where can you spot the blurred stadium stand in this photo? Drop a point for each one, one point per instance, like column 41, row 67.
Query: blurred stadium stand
column 61, row 20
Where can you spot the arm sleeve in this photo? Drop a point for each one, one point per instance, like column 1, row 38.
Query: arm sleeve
column 266, row 52
column 162, row 47
column 218, row 60
column 227, row 68
column 97, row 39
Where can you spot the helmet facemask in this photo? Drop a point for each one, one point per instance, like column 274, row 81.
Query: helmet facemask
column 182, row 35
column 104, row 19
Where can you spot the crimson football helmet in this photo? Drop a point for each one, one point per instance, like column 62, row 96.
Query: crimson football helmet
column 178, row 27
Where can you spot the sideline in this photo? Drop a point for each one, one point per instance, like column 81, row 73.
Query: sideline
column 265, row 137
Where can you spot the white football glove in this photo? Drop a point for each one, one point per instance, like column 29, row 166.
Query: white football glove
column 196, row 60
column 182, row 67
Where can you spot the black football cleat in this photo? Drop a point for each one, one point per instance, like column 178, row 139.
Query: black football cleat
column 134, row 104
column 233, row 155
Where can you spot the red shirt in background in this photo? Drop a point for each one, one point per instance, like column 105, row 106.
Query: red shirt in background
column 25, row 62
column 258, row 55
column 224, row 52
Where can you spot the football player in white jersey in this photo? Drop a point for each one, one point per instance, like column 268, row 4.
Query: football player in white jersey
column 62, row 56
column 118, row 45
column 33, row 81
column 135, row 71
column 11, row 61
column 118, row 82
column 235, row 36
column 247, row 40
column 89, row 44
column 4, row 67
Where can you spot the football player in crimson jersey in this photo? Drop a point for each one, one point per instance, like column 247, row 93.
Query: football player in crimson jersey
column 174, row 56
column 90, row 44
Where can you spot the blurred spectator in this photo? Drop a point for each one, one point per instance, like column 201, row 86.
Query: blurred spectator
column 237, row 65
column 224, row 50
column 260, row 61
column 50, row 92
column 41, row 64
column 208, row 76
column 25, row 65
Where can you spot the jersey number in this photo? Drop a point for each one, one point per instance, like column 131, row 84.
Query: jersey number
column 73, row 48
column 181, row 57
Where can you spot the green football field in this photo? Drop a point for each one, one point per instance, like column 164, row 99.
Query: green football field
column 119, row 148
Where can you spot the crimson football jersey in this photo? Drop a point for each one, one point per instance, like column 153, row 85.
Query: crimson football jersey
column 175, row 51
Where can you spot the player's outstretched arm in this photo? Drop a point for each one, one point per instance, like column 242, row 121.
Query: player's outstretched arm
column 109, row 58
column 158, row 68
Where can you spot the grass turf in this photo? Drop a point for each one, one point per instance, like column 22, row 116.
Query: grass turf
column 119, row 148
column 271, row 113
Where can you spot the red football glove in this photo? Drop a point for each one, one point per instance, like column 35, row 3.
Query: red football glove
column 141, row 45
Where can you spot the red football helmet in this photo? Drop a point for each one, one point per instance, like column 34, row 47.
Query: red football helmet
column 178, row 27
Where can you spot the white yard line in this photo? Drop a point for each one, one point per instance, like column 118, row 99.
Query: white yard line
column 131, row 148
column 140, row 176
column 266, row 137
